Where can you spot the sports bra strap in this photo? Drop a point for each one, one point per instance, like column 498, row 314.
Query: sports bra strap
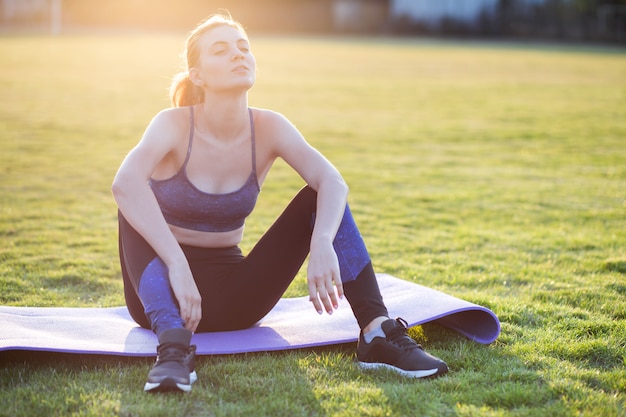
column 191, row 129
column 252, row 143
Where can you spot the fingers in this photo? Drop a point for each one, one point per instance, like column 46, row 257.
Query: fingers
column 326, row 297
column 187, row 295
column 191, row 313
column 339, row 286
column 194, row 319
column 314, row 298
column 323, row 295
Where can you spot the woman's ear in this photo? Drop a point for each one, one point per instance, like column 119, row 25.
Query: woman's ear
column 194, row 76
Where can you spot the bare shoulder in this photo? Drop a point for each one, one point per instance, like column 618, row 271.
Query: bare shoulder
column 167, row 127
column 273, row 126
column 271, row 118
column 172, row 119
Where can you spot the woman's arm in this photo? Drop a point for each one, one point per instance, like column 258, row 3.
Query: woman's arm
column 332, row 192
column 138, row 204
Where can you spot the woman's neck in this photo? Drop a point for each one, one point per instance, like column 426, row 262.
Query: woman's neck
column 223, row 117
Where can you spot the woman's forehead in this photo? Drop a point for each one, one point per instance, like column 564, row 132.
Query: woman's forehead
column 222, row 33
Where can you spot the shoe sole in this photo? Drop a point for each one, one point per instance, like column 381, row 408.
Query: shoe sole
column 168, row 385
column 422, row 373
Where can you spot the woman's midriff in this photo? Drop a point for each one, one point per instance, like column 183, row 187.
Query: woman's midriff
column 207, row 239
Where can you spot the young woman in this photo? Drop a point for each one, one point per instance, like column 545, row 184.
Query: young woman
column 184, row 193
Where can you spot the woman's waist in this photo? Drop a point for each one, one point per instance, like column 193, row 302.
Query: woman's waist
column 218, row 247
column 207, row 240
column 225, row 255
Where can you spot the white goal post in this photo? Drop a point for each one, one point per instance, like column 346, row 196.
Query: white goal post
column 56, row 16
column 28, row 14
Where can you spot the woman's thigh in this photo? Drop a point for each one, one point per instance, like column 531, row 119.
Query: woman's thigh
column 239, row 295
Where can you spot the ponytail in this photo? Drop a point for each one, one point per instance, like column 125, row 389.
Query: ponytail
column 185, row 93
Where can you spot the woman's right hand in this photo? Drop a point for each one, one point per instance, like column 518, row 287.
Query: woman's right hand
column 187, row 294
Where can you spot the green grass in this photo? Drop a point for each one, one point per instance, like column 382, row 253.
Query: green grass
column 494, row 172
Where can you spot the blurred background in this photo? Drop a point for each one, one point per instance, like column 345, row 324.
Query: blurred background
column 569, row 20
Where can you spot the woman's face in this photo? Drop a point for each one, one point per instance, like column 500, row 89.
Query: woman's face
column 225, row 62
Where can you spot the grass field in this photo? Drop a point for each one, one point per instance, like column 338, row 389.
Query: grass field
column 495, row 172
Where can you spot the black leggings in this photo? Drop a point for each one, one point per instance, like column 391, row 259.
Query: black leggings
column 238, row 291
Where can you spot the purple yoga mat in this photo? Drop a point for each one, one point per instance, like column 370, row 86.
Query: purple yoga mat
column 292, row 324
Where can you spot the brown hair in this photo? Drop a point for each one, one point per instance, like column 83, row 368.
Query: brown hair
column 183, row 92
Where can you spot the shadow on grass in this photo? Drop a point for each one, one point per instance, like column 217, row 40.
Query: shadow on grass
column 483, row 380
column 309, row 382
column 259, row 384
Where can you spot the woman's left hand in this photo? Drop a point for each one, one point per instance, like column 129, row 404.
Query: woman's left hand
column 323, row 277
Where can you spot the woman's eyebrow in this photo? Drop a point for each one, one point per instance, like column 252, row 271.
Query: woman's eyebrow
column 220, row 43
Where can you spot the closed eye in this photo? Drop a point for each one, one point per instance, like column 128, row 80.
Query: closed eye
column 243, row 46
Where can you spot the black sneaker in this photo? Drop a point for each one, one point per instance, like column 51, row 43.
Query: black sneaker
column 174, row 369
column 398, row 352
